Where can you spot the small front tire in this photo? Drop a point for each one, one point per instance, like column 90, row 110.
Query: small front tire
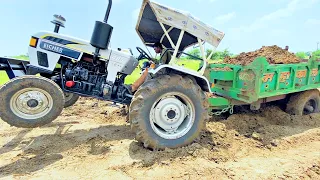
column 30, row 101
column 70, row 99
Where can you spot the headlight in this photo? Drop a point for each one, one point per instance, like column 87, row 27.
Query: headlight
column 33, row 42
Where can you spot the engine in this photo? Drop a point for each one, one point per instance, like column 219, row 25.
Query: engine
column 87, row 79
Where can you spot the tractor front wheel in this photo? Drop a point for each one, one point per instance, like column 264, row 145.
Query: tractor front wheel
column 168, row 112
column 70, row 99
column 30, row 101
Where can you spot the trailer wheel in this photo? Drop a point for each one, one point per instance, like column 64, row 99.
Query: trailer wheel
column 30, row 101
column 168, row 112
column 304, row 103
column 70, row 99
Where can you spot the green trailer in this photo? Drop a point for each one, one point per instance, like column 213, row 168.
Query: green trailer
column 261, row 82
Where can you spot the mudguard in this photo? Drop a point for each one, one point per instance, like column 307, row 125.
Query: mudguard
column 201, row 80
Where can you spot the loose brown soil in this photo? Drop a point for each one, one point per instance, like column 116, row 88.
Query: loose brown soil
column 91, row 140
column 273, row 54
column 226, row 68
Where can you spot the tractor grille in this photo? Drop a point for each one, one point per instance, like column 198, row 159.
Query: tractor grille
column 42, row 59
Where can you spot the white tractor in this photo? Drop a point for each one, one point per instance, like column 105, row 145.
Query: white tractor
column 168, row 110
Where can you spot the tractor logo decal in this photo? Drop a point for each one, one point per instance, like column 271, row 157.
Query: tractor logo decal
column 60, row 50
column 51, row 47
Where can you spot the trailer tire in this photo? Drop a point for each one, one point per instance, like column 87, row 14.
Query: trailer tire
column 70, row 99
column 151, row 103
column 304, row 103
column 30, row 101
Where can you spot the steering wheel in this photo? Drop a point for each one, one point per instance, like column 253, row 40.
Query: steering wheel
column 143, row 54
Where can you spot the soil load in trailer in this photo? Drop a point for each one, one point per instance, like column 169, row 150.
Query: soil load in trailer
column 260, row 82
column 273, row 54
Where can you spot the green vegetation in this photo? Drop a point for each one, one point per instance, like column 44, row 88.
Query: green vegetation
column 216, row 56
column 22, row 57
column 301, row 55
column 194, row 52
column 219, row 55
column 3, row 77
column 316, row 54
column 306, row 55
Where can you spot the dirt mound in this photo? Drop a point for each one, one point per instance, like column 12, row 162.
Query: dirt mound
column 271, row 124
column 273, row 54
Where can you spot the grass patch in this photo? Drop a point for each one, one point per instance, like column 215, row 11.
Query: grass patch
column 3, row 77
column 21, row 57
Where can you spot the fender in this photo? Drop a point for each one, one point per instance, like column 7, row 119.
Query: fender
column 201, row 80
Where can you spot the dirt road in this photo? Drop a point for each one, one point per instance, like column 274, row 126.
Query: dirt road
column 91, row 141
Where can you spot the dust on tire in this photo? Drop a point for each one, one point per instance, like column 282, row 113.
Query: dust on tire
column 144, row 99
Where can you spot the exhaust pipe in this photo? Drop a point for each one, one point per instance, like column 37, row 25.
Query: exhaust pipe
column 101, row 35
column 106, row 17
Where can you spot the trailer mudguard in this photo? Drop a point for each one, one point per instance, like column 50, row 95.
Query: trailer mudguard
column 201, row 80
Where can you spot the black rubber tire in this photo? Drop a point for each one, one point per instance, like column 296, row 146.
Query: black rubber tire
column 19, row 83
column 148, row 93
column 72, row 100
column 297, row 102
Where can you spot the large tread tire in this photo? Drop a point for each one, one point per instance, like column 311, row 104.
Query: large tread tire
column 297, row 102
column 148, row 93
column 70, row 99
column 8, row 90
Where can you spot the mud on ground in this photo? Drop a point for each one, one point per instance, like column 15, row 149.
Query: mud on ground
column 273, row 54
column 92, row 141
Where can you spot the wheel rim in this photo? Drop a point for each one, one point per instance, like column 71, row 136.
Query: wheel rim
column 310, row 107
column 172, row 115
column 68, row 96
column 31, row 103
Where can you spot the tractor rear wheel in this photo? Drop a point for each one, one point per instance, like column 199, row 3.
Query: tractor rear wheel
column 70, row 99
column 304, row 103
column 30, row 101
column 168, row 112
